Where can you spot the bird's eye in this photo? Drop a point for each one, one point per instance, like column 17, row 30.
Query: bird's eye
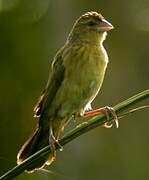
column 91, row 23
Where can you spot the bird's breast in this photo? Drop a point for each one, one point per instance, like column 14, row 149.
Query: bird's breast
column 85, row 69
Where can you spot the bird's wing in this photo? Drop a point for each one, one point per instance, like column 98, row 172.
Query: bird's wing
column 38, row 107
column 54, row 82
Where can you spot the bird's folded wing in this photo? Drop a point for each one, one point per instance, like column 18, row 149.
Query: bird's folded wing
column 56, row 78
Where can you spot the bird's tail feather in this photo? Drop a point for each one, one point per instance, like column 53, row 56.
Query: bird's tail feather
column 38, row 140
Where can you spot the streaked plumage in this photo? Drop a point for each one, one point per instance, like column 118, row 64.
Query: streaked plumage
column 76, row 76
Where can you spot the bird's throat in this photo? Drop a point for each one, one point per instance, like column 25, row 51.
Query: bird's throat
column 88, row 38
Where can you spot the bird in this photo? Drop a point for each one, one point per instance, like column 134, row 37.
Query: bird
column 76, row 76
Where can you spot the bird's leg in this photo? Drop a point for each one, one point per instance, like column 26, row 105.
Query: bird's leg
column 104, row 110
column 53, row 141
column 52, row 144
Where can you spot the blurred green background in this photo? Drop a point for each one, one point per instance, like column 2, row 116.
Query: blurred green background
column 31, row 31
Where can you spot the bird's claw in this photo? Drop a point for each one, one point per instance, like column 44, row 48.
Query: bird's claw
column 56, row 143
column 109, row 110
column 59, row 145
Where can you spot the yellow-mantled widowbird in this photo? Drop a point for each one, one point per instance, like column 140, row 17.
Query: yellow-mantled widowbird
column 76, row 76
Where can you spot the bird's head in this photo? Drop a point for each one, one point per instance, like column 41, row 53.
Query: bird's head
column 90, row 27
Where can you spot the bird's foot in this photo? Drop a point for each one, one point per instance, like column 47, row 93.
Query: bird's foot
column 55, row 142
column 59, row 145
column 107, row 111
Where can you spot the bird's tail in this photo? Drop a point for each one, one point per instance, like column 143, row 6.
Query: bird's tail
column 38, row 140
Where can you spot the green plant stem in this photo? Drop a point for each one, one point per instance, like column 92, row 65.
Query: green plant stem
column 84, row 127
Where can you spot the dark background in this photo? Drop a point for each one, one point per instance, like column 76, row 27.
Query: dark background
column 31, row 31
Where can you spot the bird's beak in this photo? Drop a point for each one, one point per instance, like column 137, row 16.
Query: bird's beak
column 105, row 25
